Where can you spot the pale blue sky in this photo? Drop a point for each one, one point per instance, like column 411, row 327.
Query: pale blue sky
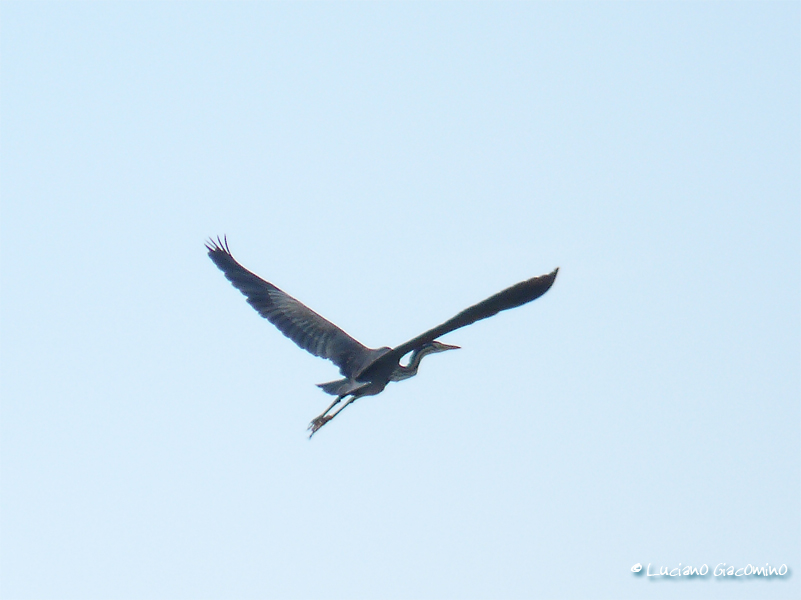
column 389, row 165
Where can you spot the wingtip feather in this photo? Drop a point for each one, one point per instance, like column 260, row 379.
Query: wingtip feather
column 218, row 245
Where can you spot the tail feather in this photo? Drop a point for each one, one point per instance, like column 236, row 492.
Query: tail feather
column 341, row 387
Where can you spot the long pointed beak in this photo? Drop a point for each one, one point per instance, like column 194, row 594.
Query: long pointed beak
column 449, row 347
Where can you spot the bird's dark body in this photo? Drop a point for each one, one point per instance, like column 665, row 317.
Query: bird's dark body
column 367, row 371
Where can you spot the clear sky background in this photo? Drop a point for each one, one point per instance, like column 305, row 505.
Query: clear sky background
column 389, row 165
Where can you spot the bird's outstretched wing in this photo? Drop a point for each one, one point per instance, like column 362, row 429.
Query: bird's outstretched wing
column 296, row 321
column 511, row 297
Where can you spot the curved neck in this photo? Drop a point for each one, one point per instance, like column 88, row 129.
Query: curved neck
column 410, row 370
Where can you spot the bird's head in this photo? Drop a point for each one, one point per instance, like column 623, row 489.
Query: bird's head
column 424, row 350
column 440, row 347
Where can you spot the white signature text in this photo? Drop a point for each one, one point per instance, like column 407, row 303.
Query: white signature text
column 720, row 570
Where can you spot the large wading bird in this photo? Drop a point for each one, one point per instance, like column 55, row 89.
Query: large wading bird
column 367, row 371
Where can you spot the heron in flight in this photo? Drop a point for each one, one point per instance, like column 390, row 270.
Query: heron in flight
column 366, row 371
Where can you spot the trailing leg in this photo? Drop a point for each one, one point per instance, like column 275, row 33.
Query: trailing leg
column 323, row 418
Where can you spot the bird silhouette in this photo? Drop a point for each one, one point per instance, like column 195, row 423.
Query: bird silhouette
column 366, row 371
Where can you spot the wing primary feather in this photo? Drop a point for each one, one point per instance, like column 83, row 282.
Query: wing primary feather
column 512, row 297
column 295, row 320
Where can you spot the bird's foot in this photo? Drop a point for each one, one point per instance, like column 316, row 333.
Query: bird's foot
column 318, row 422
